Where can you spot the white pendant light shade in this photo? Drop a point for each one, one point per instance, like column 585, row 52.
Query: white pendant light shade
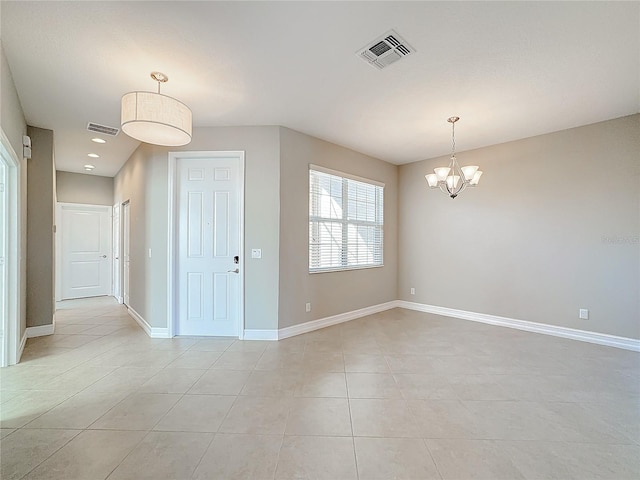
column 469, row 171
column 442, row 172
column 452, row 181
column 156, row 118
column 476, row 178
column 432, row 179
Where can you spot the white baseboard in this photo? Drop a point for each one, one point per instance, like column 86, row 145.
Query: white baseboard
column 564, row 332
column 42, row 330
column 153, row 332
column 317, row 324
column 251, row 334
column 334, row 320
column 553, row 330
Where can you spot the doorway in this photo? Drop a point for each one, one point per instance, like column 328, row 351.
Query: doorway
column 206, row 243
column 126, row 229
column 116, row 277
column 85, row 255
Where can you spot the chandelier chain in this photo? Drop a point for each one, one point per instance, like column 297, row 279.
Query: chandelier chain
column 453, row 139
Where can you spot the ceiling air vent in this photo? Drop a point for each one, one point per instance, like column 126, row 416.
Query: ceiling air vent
column 385, row 50
column 96, row 127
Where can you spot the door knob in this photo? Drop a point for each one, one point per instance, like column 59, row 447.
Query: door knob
column 104, row 256
column 237, row 270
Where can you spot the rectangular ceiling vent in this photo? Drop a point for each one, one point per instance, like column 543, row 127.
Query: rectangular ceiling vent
column 96, row 127
column 385, row 50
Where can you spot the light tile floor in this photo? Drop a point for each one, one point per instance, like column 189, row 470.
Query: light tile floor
column 397, row 395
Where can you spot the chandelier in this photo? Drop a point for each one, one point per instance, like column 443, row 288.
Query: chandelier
column 155, row 118
column 454, row 179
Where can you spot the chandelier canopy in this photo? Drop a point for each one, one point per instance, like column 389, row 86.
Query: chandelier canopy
column 155, row 118
column 453, row 179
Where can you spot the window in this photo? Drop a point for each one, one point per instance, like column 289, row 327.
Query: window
column 345, row 221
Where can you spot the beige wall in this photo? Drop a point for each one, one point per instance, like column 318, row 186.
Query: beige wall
column 14, row 127
column 143, row 181
column 80, row 188
column 40, row 221
column 11, row 115
column 553, row 227
column 329, row 293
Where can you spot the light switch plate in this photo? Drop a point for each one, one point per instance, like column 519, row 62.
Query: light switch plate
column 256, row 253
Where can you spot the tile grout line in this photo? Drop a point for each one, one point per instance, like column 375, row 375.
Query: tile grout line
column 353, row 438
column 53, row 453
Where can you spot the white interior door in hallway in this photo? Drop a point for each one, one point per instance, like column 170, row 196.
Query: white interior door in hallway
column 208, row 245
column 86, row 256
column 126, row 229
column 117, row 290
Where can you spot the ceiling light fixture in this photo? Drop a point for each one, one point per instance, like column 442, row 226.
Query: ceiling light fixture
column 93, row 155
column 454, row 179
column 155, row 118
column 89, row 167
column 98, row 140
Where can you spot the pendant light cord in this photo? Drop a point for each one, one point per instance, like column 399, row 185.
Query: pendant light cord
column 453, row 139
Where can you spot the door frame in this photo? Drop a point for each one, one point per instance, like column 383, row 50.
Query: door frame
column 59, row 240
column 116, row 247
column 10, row 318
column 172, row 256
column 125, row 236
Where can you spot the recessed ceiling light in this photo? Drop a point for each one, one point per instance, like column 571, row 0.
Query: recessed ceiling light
column 93, row 155
column 98, row 140
column 89, row 167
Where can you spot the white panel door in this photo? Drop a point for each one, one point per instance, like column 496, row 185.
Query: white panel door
column 117, row 291
column 126, row 229
column 86, row 251
column 208, row 246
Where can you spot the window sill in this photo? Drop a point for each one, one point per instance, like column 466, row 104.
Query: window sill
column 343, row 269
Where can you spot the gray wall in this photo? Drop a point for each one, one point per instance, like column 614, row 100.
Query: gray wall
column 330, row 293
column 552, row 227
column 80, row 188
column 11, row 115
column 143, row 181
column 40, row 236
column 14, row 127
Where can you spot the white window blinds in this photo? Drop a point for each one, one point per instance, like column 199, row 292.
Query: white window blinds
column 345, row 221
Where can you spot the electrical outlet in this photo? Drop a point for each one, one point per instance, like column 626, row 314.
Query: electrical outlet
column 413, row 291
column 583, row 314
column 256, row 253
column 307, row 307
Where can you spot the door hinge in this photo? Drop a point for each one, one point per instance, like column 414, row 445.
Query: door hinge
column 1, row 187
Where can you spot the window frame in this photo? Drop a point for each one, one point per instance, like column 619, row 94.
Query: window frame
column 344, row 221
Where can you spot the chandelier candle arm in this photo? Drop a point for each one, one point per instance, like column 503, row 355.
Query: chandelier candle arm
column 453, row 179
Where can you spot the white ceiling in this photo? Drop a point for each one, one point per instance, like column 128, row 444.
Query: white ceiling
column 510, row 69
